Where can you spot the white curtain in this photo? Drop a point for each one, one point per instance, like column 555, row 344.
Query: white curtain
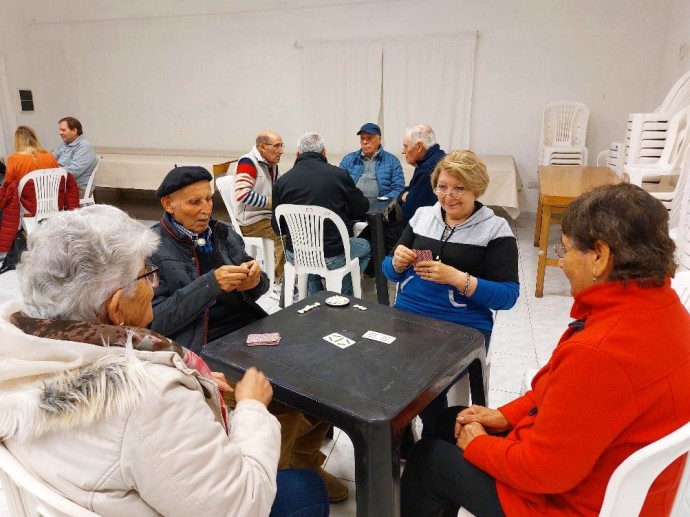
column 428, row 80
column 342, row 90
column 8, row 120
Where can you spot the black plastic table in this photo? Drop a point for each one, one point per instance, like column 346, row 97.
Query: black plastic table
column 378, row 210
column 371, row 390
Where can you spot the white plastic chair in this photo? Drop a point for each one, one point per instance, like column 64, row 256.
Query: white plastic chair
column 630, row 482
column 47, row 187
column 88, row 198
column 563, row 134
column 28, row 496
column 681, row 284
column 671, row 158
column 306, row 228
column 255, row 246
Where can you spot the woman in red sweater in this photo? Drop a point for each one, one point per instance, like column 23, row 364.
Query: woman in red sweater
column 617, row 381
column 29, row 155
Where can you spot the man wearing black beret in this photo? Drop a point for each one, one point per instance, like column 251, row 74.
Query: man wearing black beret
column 208, row 287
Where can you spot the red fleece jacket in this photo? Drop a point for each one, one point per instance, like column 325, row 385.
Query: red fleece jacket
column 608, row 390
column 9, row 206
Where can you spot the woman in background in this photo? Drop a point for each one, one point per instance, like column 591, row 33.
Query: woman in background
column 29, row 155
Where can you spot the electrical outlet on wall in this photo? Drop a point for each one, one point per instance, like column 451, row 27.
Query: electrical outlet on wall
column 533, row 184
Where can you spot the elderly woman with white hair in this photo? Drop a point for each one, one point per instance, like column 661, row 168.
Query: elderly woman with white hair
column 115, row 417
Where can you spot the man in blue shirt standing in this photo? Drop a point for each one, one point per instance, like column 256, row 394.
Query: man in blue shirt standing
column 75, row 154
column 375, row 171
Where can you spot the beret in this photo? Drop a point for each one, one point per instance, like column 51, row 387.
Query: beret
column 180, row 177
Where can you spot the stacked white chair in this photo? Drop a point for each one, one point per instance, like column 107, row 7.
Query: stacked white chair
column 646, row 133
column 47, row 186
column 563, row 134
column 666, row 169
column 259, row 247
column 305, row 224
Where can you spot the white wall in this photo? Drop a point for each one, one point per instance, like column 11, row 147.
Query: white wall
column 676, row 48
column 210, row 74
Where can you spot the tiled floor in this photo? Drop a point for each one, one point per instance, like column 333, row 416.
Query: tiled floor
column 522, row 338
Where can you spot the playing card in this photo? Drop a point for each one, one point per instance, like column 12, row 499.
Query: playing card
column 339, row 340
column 378, row 336
column 268, row 339
column 423, row 255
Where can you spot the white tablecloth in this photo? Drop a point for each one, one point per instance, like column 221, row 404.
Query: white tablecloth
column 504, row 184
column 145, row 171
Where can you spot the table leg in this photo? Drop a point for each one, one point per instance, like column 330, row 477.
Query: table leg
column 543, row 247
column 377, row 470
column 537, row 226
column 378, row 253
column 478, row 387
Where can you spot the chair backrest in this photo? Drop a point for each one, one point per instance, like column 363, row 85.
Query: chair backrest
column 678, row 96
column 676, row 139
column 47, row 186
column 681, row 284
column 629, row 484
column 226, row 187
column 565, row 124
column 306, row 226
column 88, row 193
column 26, row 495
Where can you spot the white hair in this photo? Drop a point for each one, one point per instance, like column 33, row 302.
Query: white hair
column 310, row 142
column 421, row 133
column 76, row 260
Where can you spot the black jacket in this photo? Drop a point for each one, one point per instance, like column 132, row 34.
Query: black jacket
column 313, row 181
column 420, row 192
column 182, row 299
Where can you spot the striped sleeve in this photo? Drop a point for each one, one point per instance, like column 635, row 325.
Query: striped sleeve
column 245, row 180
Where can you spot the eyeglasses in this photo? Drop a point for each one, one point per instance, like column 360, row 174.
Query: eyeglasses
column 455, row 192
column 151, row 275
column 277, row 147
column 561, row 249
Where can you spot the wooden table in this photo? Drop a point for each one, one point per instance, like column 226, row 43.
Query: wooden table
column 558, row 187
column 371, row 390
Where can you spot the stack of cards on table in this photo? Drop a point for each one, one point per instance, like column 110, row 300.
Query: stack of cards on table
column 307, row 308
column 269, row 339
column 423, row 255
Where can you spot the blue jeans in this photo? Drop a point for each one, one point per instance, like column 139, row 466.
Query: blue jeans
column 359, row 248
column 301, row 493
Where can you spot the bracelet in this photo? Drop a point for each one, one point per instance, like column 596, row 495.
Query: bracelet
column 467, row 285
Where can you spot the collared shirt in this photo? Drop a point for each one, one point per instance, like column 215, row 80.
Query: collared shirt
column 78, row 158
column 367, row 182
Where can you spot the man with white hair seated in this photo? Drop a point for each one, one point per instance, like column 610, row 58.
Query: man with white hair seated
column 422, row 151
column 313, row 181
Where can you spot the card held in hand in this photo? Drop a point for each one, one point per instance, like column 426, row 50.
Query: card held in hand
column 423, row 255
column 269, row 339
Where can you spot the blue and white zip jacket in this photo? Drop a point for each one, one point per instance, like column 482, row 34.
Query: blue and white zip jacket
column 483, row 246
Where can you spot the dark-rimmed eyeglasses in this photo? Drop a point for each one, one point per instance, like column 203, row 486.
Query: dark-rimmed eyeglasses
column 150, row 275
column 455, row 192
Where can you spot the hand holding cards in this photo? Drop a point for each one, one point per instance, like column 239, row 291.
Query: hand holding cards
column 422, row 255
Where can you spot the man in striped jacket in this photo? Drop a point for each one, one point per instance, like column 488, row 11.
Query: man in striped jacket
column 255, row 174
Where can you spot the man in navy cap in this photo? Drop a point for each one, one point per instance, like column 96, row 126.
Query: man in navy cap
column 375, row 171
column 208, row 287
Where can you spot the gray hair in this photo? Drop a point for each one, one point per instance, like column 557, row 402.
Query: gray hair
column 76, row 260
column 421, row 133
column 310, row 142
